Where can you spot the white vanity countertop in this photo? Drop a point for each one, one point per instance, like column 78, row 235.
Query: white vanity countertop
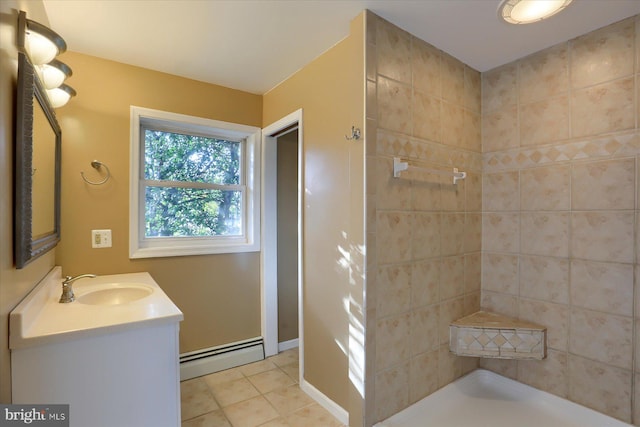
column 41, row 319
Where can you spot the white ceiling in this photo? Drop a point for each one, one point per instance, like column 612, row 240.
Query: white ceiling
column 253, row 45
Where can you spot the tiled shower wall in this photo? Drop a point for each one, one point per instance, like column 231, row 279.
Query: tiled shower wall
column 423, row 232
column 559, row 224
column 560, row 213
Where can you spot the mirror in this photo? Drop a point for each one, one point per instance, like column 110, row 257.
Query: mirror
column 37, row 169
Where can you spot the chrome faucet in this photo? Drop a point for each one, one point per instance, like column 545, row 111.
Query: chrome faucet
column 67, row 290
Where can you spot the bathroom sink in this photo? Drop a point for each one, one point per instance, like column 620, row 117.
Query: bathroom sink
column 115, row 294
column 123, row 323
column 104, row 305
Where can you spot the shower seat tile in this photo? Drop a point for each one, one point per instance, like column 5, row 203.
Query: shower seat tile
column 485, row 334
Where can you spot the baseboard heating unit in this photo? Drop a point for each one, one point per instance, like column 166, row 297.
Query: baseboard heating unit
column 214, row 359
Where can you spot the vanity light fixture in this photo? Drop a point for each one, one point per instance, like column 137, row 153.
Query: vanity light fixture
column 42, row 43
column 60, row 95
column 528, row 11
column 53, row 74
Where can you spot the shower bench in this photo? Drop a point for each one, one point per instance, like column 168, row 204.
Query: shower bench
column 484, row 334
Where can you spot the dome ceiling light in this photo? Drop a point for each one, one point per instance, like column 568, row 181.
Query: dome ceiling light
column 528, row 11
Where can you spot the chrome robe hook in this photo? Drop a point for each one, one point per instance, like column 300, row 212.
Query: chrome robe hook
column 355, row 134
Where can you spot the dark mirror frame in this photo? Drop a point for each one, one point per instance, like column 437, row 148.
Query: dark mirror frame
column 30, row 90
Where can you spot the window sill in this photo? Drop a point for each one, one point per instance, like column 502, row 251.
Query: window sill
column 174, row 251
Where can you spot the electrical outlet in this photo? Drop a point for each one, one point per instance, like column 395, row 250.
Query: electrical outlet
column 100, row 238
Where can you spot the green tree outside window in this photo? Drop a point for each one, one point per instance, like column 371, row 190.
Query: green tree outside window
column 193, row 185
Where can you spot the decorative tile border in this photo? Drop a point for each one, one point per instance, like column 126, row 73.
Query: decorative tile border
column 489, row 335
column 396, row 144
column 619, row 145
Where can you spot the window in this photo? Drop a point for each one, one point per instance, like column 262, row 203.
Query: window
column 194, row 186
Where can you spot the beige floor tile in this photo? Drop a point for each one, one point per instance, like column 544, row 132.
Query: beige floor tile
column 196, row 398
column 233, row 391
column 264, row 394
column 286, row 357
column 257, row 367
column 289, row 399
column 270, row 380
column 223, row 376
column 312, row 416
column 212, row 419
column 278, row 422
column 250, row 413
column 293, row 370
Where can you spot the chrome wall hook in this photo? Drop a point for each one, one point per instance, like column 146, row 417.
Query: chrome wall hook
column 355, row 134
column 97, row 165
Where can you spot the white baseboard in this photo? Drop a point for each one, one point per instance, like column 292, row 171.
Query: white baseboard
column 287, row 345
column 207, row 361
column 336, row 410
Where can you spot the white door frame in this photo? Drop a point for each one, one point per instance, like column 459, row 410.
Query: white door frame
column 269, row 253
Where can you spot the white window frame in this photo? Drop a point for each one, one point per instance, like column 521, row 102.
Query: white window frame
column 141, row 247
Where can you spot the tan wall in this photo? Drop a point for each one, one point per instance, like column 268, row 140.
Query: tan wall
column 560, row 185
column 423, row 232
column 287, row 146
column 330, row 92
column 218, row 294
column 14, row 284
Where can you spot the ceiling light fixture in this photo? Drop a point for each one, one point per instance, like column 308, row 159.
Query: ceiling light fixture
column 528, row 11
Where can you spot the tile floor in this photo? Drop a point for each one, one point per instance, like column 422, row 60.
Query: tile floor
column 264, row 393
